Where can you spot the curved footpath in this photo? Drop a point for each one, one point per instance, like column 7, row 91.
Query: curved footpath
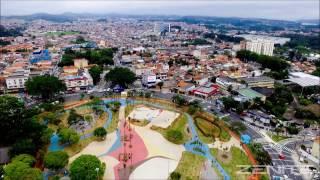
column 195, row 145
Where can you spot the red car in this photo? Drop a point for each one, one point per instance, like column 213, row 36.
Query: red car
column 281, row 156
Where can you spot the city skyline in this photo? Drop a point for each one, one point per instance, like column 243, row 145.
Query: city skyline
column 281, row 10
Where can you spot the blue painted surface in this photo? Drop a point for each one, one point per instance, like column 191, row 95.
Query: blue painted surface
column 54, row 143
column 245, row 139
column 196, row 146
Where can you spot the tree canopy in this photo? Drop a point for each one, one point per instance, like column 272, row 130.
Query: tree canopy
column 278, row 66
column 100, row 132
column 17, row 124
column 85, row 167
column 68, row 136
column 45, row 86
column 25, row 158
column 56, row 160
column 95, row 72
column 17, row 170
column 97, row 56
column 121, row 76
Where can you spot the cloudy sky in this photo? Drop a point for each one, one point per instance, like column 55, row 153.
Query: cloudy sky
column 271, row 9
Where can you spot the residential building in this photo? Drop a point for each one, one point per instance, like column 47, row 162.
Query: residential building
column 315, row 151
column 184, row 87
column 80, row 63
column 259, row 46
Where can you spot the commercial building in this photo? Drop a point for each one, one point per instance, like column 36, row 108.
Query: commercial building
column 206, row 90
column 248, row 94
column 40, row 55
column 149, row 80
column 259, row 81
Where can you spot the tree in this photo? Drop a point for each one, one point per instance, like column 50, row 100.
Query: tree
column 175, row 176
column 100, row 132
column 56, row 160
column 80, row 40
column 52, row 118
column 19, row 170
column 11, row 118
column 45, row 86
column 160, row 84
column 95, row 72
column 68, row 136
column 23, row 146
column 25, row 158
column 229, row 102
column 74, row 117
column 86, row 167
column 179, row 100
column 121, row 76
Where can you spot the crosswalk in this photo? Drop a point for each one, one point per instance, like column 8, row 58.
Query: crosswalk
column 281, row 148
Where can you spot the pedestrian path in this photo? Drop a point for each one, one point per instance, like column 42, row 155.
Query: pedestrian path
column 197, row 147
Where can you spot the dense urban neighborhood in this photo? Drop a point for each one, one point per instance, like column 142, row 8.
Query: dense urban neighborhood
column 158, row 97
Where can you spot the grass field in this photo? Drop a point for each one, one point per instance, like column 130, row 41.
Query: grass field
column 190, row 166
column 277, row 138
column 178, row 125
column 206, row 130
column 76, row 148
column 238, row 157
column 114, row 122
column 61, row 33
column 224, row 136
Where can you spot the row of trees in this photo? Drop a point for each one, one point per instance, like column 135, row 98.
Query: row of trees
column 96, row 56
column 84, row 167
column 278, row 66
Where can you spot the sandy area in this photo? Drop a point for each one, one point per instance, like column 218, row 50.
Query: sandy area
column 157, row 117
column 221, row 145
column 110, row 162
column 157, row 145
column 97, row 148
column 155, row 168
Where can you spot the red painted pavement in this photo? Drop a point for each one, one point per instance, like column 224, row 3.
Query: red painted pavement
column 138, row 152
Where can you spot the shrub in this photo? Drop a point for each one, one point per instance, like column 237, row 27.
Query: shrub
column 84, row 167
column 175, row 176
column 25, row 158
column 56, row 160
column 174, row 136
column 100, row 132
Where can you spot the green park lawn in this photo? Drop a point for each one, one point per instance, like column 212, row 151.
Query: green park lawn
column 206, row 130
column 61, row 33
column 277, row 138
column 178, row 125
column 190, row 166
column 238, row 157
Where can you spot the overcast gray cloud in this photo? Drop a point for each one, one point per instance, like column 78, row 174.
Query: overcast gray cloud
column 281, row 9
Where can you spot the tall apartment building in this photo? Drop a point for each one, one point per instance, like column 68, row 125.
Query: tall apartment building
column 259, row 46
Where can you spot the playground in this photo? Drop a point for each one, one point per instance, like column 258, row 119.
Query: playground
column 158, row 117
column 146, row 152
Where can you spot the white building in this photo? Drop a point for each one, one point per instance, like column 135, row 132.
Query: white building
column 149, row 79
column 259, row 46
column 16, row 81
